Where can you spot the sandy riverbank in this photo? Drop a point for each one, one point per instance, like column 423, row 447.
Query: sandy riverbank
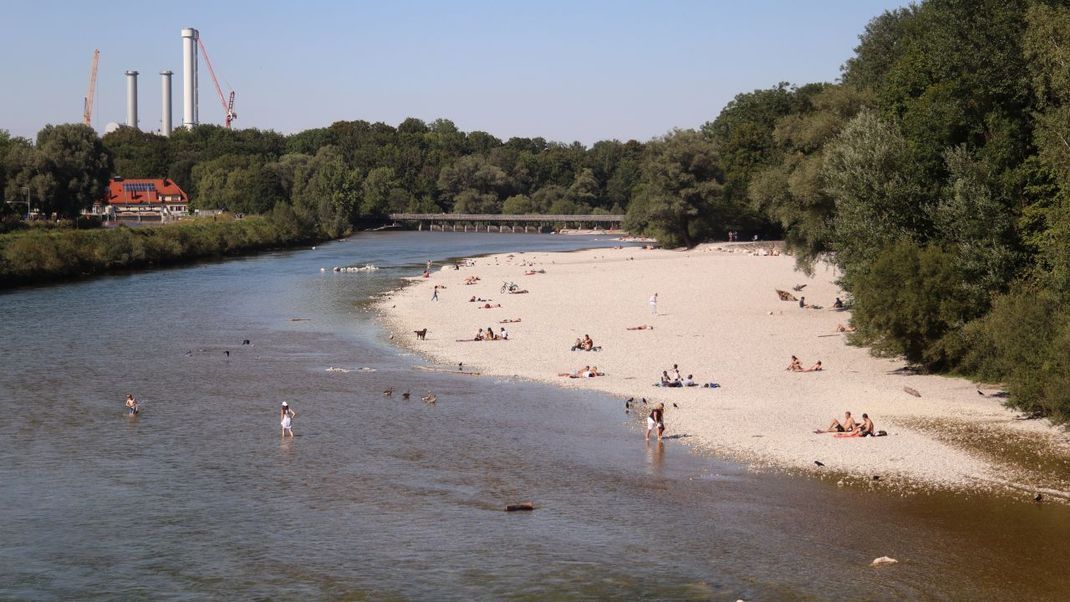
column 719, row 318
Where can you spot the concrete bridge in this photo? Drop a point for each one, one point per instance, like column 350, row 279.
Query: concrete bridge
column 496, row 222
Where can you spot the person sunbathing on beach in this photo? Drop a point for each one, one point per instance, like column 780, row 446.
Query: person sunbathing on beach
column 594, row 372
column 842, row 328
column 641, row 327
column 795, row 365
column 815, row 368
column 489, row 306
column 866, row 429
column 577, row 373
column 847, row 426
column 509, row 321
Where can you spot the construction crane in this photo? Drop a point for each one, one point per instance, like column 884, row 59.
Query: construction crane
column 87, row 105
column 228, row 107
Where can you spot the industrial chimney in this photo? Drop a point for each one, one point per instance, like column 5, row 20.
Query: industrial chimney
column 131, row 99
column 189, row 77
column 165, row 94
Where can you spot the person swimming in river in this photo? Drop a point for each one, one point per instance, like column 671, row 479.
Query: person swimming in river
column 132, row 407
column 286, row 416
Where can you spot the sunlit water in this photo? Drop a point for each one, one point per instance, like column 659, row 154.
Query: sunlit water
column 383, row 498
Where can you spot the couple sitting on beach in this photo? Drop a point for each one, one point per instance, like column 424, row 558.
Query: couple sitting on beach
column 471, row 280
column 585, row 344
column 586, row 372
column 796, row 366
column 850, row 428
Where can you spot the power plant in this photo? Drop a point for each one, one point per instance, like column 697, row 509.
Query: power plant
column 192, row 50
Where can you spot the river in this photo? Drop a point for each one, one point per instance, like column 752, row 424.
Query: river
column 381, row 498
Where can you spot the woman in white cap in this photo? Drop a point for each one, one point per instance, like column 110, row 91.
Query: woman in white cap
column 287, row 415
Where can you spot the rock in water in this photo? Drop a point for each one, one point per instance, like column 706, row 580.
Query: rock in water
column 883, row 560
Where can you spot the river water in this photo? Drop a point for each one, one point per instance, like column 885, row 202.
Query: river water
column 381, row 498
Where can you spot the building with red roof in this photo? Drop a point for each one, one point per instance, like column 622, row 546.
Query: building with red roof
column 145, row 200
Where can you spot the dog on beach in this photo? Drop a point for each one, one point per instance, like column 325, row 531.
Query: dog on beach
column 421, row 334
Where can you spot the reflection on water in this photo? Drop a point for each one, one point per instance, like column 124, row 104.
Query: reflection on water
column 380, row 497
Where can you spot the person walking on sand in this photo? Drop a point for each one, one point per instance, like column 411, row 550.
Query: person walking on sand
column 286, row 416
column 434, row 297
column 654, row 304
column 656, row 420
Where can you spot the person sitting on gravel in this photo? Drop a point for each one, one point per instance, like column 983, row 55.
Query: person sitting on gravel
column 577, row 345
column 866, row 429
column 847, row 426
column 815, row 368
column 795, row 365
column 587, row 344
column 479, row 335
column 690, row 381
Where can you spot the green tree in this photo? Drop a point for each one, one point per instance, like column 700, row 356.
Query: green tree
column 138, row 154
column 66, row 171
column 681, row 200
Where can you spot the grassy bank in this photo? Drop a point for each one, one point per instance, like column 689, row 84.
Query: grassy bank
column 39, row 256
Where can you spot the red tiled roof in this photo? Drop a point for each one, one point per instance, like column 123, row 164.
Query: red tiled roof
column 135, row 192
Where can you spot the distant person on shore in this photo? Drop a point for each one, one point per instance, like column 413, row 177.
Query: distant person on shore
column 434, row 297
column 795, row 365
column 838, row 304
column 286, row 416
column 132, row 406
column 690, row 381
column 815, row 368
column 656, row 420
column 490, row 334
column 847, row 426
column 842, row 328
column 641, row 327
column 654, row 304
column 802, row 302
column 479, row 335
column 504, row 335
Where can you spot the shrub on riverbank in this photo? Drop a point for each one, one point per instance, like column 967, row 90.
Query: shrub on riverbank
column 43, row 255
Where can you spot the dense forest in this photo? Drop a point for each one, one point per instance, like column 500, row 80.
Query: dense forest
column 935, row 175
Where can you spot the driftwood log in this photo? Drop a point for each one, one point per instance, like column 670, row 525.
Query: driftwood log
column 785, row 295
column 521, row 507
column 911, row 391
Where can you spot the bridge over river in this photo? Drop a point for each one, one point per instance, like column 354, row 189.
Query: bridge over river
column 496, row 222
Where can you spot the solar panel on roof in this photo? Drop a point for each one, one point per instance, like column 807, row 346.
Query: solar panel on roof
column 139, row 187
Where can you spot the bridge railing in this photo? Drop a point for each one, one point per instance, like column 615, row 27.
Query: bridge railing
column 499, row 217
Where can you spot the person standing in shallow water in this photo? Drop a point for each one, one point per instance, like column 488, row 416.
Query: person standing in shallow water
column 286, row 416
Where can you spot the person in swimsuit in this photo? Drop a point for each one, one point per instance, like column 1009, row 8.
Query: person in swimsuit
column 847, row 426
column 286, row 416
column 656, row 419
column 867, row 428
column 132, row 406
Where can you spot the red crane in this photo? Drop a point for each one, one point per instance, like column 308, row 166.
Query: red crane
column 228, row 107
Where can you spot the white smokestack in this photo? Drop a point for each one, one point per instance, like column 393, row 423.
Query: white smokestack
column 131, row 99
column 165, row 94
column 189, row 77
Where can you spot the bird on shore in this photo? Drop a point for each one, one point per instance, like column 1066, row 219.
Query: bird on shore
column 405, row 395
column 227, row 353
column 1039, row 498
column 798, row 287
column 388, row 392
column 644, row 401
column 980, row 393
column 819, row 462
column 674, row 405
column 460, row 366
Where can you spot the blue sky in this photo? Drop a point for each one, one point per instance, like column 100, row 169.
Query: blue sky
column 582, row 70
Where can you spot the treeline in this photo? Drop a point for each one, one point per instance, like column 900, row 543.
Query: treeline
column 48, row 254
column 935, row 176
